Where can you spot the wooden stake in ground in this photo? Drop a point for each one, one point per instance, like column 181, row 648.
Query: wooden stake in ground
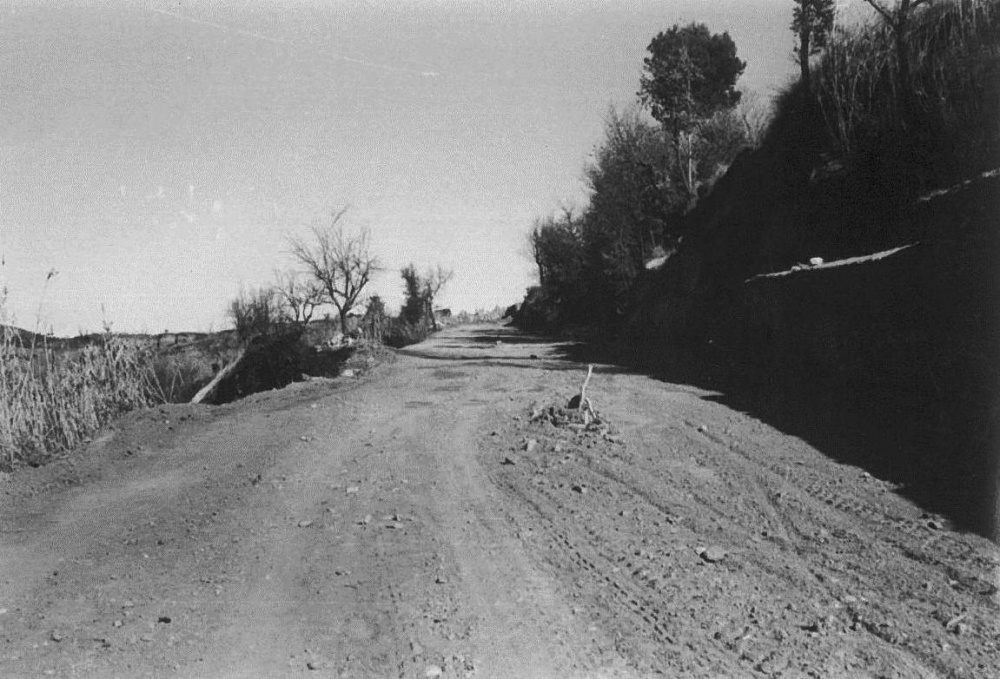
column 580, row 400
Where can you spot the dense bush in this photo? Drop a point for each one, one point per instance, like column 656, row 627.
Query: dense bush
column 539, row 311
column 400, row 332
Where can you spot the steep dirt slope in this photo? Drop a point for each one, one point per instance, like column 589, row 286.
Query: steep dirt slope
column 444, row 517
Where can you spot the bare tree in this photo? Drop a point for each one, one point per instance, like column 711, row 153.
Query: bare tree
column 436, row 279
column 340, row 263
column 298, row 297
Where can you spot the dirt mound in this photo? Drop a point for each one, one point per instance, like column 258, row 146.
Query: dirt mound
column 576, row 419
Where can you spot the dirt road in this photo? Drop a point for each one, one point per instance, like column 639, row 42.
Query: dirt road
column 444, row 516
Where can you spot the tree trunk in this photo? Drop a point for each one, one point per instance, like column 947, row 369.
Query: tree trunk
column 804, row 47
column 902, row 54
column 430, row 312
column 901, row 30
column 690, row 166
column 685, row 165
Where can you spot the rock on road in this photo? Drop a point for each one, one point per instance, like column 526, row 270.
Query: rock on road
column 440, row 516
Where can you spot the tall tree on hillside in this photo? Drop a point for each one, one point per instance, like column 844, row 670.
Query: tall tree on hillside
column 812, row 22
column 341, row 263
column 690, row 74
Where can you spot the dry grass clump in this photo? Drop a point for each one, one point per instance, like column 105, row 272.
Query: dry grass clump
column 52, row 400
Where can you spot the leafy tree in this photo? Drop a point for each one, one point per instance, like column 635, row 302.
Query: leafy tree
column 632, row 195
column 556, row 244
column 413, row 300
column 690, row 74
column 420, row 291
column 340, row 263
column 812, row 23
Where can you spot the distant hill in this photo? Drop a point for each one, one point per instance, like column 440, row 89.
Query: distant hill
column 24, row 337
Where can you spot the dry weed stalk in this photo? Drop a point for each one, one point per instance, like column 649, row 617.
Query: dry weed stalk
column 581, row 403
column 946, row 91
column 50, row 400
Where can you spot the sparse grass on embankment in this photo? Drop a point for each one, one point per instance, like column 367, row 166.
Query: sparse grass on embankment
column 51, row 400
column 929, row 122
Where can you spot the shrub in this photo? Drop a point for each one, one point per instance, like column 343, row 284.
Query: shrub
column 401, row 333
column 374, row 324
column 539, row 311
column 257, row 314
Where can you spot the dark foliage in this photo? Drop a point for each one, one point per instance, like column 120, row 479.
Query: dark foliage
column 401, row 333
column 375, row 321
column 812, row 23
column 690, row 74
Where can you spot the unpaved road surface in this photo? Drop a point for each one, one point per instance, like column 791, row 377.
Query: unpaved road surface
column 442, row 515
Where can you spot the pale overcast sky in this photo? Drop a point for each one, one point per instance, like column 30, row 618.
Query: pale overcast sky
column 156, row 154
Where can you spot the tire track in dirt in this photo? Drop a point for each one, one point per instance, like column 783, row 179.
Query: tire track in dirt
column 866, row 522
column 912, row 537
column 791, row 525
column 854, row 513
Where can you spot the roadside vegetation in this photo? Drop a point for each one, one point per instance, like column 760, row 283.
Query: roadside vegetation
column 51, row 400
column 652, row 167
column 882, row 156
column 312, row 321
column 912, row 97
column 891, row 109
